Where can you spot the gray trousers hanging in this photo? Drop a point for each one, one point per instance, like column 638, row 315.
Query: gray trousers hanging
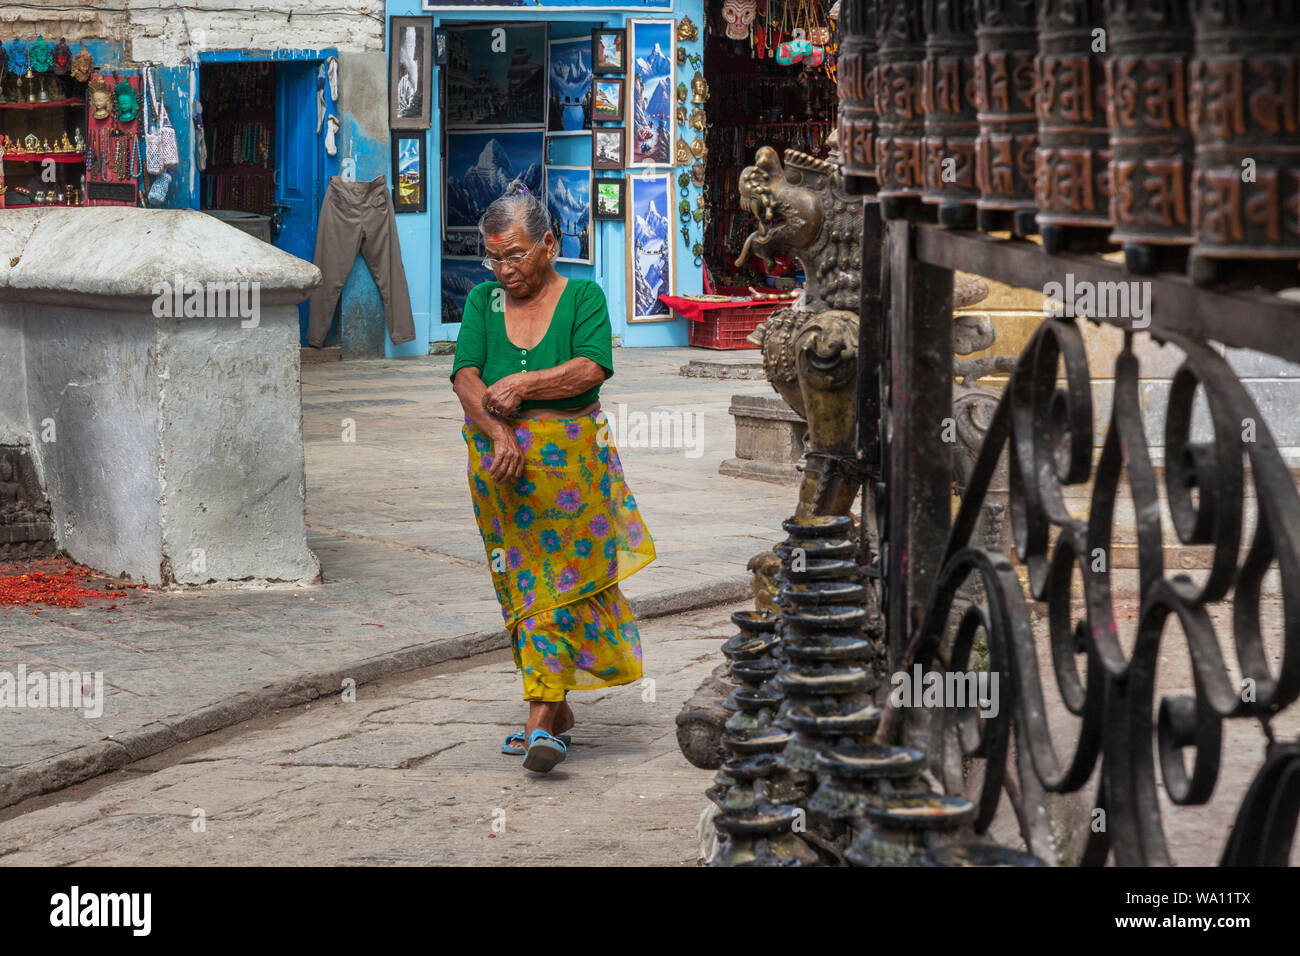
column 359, row 216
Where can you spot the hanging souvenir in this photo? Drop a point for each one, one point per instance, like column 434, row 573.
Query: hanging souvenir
column 100, row 98
column 681, row 116
column 18, row 63
column 683, row 180
column 698, row 149
column 699, row 89
column 739, row 17
column 699, row 122
column 42, row 56
column 697, row 172
column 681, row 92
column 83, row 64
column 128, row 103
column 686, row 31
column 681, row 56
column 682, row 153
column 62, row 58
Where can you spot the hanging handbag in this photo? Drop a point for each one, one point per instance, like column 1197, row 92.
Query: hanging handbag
column 162, row 184
column 160, row 147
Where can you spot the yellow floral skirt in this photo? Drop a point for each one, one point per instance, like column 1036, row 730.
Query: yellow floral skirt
column 558, row 540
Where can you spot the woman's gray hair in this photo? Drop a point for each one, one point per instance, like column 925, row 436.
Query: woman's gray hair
column 516, row 207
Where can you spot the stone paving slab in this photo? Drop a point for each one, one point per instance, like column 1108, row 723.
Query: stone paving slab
column 405, row 582
column 409, row 773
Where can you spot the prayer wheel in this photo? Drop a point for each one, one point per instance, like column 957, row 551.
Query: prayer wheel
column 1150, row 50
column 900, row 117
column 1244, row 106
column 951, row 124
column 1071, row 176
column 856, row 80
column 1006, row 40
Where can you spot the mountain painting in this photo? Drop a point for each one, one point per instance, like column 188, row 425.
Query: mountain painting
column 651, row 250
column 653, row 92
column 569, row 87
column 459, row 276
column 481, row 165
column 568, row 200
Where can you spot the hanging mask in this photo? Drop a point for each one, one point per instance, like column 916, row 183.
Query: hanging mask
column 699, row 89
column 100, row 98
column 681, row 116
column 739, row 16
column 682, row 155
column 17, row 57
column 681, row 56
column 697, row 172
column 128, row 104
column 681, row 92
column 686, row 31
column 62, row 58
column 83, row 64
column 42, row 56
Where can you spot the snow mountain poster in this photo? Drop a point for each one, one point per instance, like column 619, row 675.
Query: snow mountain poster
column 459, row 276
column 569, row 87
column 481, row 165
column 653, row 125
column 651, row 252
column 568, row 202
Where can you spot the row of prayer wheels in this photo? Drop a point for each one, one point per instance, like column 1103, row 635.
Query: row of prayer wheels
column 1169, row 128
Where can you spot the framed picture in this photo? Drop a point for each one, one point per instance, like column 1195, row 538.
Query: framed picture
column 463, row 244
column 607, row 147
column 609, row 198
column 609, row 51
column 481, row 164
column 410, row 190
column 496, row 76
column 568, row 91
column 653, row 126
column 651, row 247
column 607, row 102
column 459, row 276
column 568, row 201
column 533, row 7
column 440, row 46
column 410, row 72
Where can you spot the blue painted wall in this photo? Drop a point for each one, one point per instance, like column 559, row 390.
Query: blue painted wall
column 421, row 234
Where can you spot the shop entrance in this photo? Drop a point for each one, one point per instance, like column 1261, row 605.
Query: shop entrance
column 265, row 171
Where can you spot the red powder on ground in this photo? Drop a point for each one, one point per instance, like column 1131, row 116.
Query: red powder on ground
column 63, row 585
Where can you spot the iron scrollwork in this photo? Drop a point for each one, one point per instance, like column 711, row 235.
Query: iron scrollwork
column 1044, row 424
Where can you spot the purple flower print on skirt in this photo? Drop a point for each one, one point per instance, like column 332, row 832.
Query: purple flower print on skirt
column 514, row 557
column 568, row 578
column 585, row 659
column 573, row 429
column 525, row 438
column 634, row 532
column 553, row 665
column 615, row 466
column 599, row 526
column 568, row 500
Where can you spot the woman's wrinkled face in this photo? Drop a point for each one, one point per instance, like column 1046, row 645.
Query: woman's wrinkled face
column 528, row 277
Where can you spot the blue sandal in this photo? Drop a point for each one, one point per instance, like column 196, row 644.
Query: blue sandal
column 516, row 749
column 544, row 751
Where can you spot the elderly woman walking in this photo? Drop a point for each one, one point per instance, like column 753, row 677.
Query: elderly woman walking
column 559, row 525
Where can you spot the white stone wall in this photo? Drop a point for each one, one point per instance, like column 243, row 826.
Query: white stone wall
column 156, row 33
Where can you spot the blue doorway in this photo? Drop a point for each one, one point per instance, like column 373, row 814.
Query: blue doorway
column 267, row 167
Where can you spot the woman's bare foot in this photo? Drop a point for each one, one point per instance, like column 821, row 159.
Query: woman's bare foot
column 554, row 717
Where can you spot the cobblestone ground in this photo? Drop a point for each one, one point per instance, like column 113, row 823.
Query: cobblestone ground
column 410, row 773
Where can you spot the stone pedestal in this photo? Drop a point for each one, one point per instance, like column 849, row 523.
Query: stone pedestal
column 165, row 428
column 769, row 439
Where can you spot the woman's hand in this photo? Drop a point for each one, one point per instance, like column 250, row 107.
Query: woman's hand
column 507, row 456
column 506, row 395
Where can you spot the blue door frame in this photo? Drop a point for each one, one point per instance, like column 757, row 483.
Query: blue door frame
column 302, row 169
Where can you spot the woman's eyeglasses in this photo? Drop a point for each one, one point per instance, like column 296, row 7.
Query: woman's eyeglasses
column 514, row 262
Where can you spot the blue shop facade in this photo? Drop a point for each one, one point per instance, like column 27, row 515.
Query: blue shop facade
column 490, row 115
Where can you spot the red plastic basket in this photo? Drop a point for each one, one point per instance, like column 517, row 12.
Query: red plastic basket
column 728, row 328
